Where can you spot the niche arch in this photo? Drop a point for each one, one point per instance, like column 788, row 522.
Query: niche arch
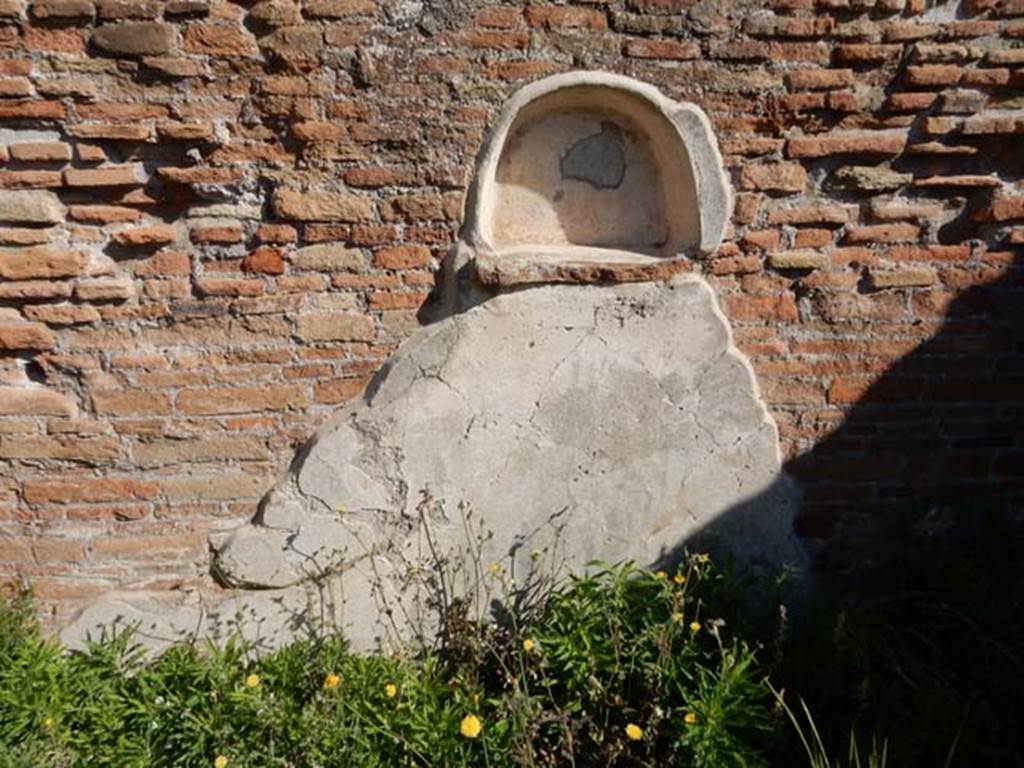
column 594, row 169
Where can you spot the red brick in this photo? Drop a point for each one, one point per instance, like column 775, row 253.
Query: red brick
column 207, row 402
column 867, row 53
column 61, row 314
column 123, row 112
column 403, row 257
column 668, row 7
column 53, row 40
column 761, row 308
column 818, row 214
column 204, row 449
column 565, row 17
column 223, row 235
column 883, row 233
column 662, row 49
column 751, row 146
column 13, row 87
column 788, row 27
column 166, row 263
column 933, row 75
column 387, row 301
column 415, row 207
column 519, row 70
column 114, row 176
column 24, row 236
column 32, row 110
column 338, row 391
column 848, row 391
column 15, row 67
column 105, row 289
column 904, row 31
column 985, row 124
column 498, row 40
column 103, row 214
column 336, row 9
column 909, row 102
column 736, row 265
column 222, row 286
column 54, row 550
column 130, row 403
column 812, row 238
column 31, row 263
column 144, row 548
column 215, row 487
column 814, row 79
column 1002, row 208
column 90, row 153
column 30, row 179
column 340, row 326
column 265, row 260
column 201, row 175
column 800, row 102
column 929, row 253
column 25, row 335
column 320, row 131
column 379, row 177
column 985, row 78
column 856, row 142
column 35, row 401
column 112, row 131
column 157, row 234
column 185, row 131
column 499, row 17
column 761, row 240
column 218, row 40
column 278, row 234
column 88, row 450
column 776, row 177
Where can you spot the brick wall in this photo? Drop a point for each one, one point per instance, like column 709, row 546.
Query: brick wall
column 219, row 218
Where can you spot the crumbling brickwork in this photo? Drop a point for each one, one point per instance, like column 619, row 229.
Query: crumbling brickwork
column 217, row 219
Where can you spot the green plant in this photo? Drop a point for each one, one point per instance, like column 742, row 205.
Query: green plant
column 924, row 650
column 616, row 667
column 814, row 746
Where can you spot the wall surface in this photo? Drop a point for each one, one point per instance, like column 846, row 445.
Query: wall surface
column 217, row 219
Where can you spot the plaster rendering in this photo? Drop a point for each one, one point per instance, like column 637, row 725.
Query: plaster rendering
column 595, row 422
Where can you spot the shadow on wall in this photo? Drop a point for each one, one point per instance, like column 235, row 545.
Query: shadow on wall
column 932, row 445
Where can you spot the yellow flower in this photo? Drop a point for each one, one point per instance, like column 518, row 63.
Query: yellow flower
column 220, row 762
column 660, row 575
column 494, row 569
column 48, row 722
column 634, row 732
column 331, row 681
column 677, row 617
column 695, row 626
column 252, row 681
column 690, row 718
column 679, row 578
column 470, row 726
column 391, row 690
column 702, row 559
column 529, row 645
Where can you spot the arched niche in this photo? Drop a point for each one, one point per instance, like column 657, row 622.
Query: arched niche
column 593, row 173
